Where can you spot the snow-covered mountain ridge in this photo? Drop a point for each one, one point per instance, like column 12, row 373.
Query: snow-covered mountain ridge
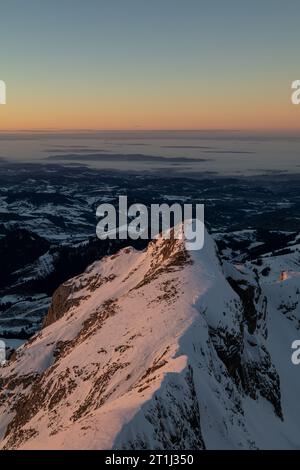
column 161, row 349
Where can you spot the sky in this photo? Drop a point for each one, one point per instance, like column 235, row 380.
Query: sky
column 149, row 64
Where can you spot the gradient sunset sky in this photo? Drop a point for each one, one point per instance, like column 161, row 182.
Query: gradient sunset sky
column 149, row 64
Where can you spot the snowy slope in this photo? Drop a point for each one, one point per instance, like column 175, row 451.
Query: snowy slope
column 157, row 350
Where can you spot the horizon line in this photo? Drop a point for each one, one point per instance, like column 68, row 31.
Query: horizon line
column 93, row 130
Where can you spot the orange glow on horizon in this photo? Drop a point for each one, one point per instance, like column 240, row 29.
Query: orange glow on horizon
column 165, row 113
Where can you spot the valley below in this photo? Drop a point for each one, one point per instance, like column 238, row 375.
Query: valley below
column 130, row 344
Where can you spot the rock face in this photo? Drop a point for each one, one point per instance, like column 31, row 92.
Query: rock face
column 161, row 349
column 59, row 305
